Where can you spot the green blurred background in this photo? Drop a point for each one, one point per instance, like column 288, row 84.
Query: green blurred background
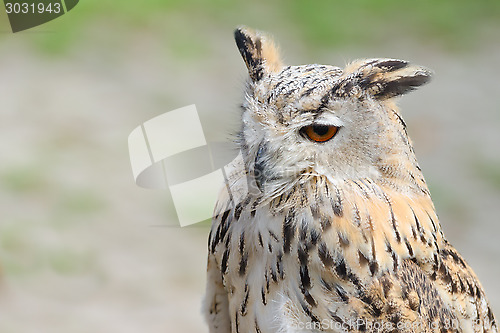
column 82, row 249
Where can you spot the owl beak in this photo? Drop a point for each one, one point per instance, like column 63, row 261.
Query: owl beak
column 259, row 167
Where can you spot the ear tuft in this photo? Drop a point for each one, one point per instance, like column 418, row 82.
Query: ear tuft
column 400, row 85
column 387, row 78
column 258, row 51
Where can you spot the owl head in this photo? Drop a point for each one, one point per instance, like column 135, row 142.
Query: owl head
column 300, row 122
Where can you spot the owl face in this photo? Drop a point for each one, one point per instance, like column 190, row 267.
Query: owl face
column 311, row 120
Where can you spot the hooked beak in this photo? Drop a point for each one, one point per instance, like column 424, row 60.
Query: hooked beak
column 259, row 167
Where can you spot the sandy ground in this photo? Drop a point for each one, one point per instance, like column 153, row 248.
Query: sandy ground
column 85, row 250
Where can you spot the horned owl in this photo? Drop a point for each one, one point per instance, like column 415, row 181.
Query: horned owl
column 326, row 222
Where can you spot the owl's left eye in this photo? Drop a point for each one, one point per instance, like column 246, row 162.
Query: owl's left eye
column 319, row 133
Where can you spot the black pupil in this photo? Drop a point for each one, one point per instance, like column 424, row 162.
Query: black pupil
column 320, row 129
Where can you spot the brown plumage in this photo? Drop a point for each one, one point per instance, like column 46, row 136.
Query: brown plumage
column 326, row 222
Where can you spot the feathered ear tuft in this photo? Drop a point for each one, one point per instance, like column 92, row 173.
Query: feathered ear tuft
column 258, row 51
column 387, row 78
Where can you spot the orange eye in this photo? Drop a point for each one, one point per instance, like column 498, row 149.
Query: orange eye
column 319, row 133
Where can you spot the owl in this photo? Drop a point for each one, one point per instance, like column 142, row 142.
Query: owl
column 325, row 222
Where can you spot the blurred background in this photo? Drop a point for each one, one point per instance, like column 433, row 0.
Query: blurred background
column 83, row 249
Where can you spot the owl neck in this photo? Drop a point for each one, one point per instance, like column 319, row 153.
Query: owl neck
column 397, row 164
column 368, row 225
column 403, row 176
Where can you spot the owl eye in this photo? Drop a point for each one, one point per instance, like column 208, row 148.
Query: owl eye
column 319, row 133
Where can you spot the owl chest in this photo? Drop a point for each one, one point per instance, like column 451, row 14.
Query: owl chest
column 252, row 261
column 254, row 273
column 270, row 281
